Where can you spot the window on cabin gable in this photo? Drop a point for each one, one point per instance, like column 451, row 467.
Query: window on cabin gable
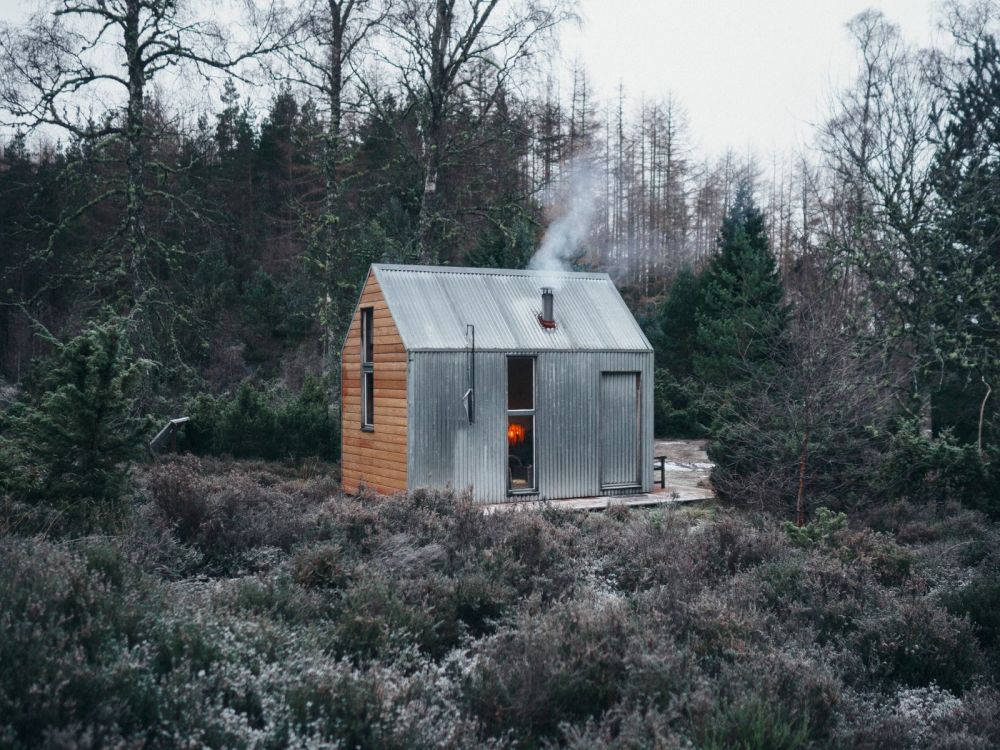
column 367, row 368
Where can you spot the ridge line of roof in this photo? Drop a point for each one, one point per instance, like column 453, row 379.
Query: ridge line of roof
column 595, row 275
column 528, row 349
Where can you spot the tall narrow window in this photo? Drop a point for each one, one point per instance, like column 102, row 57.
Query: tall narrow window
column 367, row 368
column 521, row 425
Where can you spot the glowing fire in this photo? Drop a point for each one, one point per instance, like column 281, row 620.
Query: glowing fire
column 515, row 433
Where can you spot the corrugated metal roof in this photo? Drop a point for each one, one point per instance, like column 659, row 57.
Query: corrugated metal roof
column 433, row 304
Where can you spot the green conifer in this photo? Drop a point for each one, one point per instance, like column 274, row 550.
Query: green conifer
column 742, row 318
column 70, row 442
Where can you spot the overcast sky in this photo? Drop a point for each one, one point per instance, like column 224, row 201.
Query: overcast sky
column 752, row 74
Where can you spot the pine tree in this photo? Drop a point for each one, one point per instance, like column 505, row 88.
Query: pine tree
column 70, row 443
column 741, row 318
column 677, row 324
column 678, row 404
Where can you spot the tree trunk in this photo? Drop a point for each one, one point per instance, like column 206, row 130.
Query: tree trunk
column 333, row 306
column 982, row 415
column 428, row 204
column 135, row 196
column 800, row 499
column 432, row 126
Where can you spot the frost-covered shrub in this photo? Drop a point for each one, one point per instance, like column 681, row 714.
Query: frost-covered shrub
column 71, row 628
column 753, row 723
column 818, row 592
column 380, row 707
column 980, row 602
column 250, row 605
column 567, row 664
column 323, row 565
column 919, row 644
column 226, row 516
column 926, row 717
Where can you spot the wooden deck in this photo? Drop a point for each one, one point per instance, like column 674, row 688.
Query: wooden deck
column 687, row 481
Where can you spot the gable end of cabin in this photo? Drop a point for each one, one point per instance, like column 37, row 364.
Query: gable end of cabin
column 373, row 410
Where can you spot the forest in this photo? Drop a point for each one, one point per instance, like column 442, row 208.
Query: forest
column 190, row 197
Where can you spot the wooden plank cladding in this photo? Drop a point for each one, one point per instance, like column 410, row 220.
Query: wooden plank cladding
column 375, row 457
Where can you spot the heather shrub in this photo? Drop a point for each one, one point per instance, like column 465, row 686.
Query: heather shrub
column 227, row 517
column 529, row 553
column 731, row 545
column 919, row 644
column 889, row 562
column 926, row 717
column 380, row 707
column 635, row 727
column 322, row 566
column 150, row 542
column 251, row 605
column 276, row 596
column 979, row 601
column 481, row 601
column 68, row 628
column 819, row 592
column 753, row 724
column 567, row 664
column 375, row 620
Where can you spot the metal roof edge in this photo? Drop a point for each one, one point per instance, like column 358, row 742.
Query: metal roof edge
column 374, row 269
column 354, row 310
column 530, row 350
column 595, row 275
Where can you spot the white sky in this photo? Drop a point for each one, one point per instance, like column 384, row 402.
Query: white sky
column 751, row 74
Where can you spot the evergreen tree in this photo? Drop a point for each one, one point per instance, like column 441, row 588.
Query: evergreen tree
column 960, row 284
column 741, row 316
column 677, row 324
column 504, row 246
column 69, row 444
column 678, row 409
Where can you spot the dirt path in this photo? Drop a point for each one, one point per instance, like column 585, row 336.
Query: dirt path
column 687, row 465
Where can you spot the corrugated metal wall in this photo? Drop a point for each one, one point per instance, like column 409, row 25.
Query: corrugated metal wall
column 446, row 449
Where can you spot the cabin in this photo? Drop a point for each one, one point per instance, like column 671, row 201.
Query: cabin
column 513, row 385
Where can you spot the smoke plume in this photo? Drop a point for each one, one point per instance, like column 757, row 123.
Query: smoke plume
column 575, row 208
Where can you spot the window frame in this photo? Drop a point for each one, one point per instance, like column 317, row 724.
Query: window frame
column 533, row 490
column 367, row 358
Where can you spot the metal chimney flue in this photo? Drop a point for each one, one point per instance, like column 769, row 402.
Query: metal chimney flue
column 546, row 318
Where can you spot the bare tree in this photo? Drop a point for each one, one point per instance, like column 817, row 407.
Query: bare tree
column 447, row 49
column 879, row 148
column 332, row 35
column 85, row 55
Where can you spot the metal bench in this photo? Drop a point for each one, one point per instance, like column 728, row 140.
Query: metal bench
column 659, row 464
